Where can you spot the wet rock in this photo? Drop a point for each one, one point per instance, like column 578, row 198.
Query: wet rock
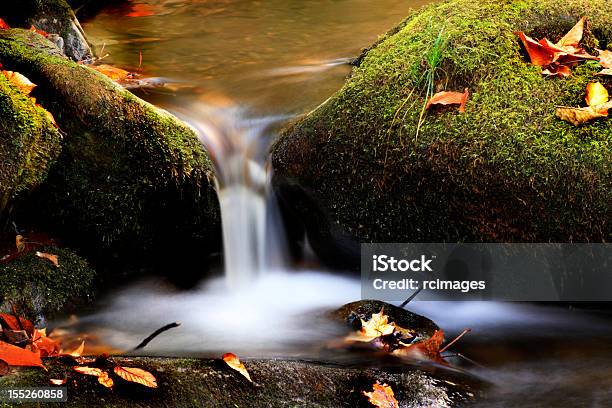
column 277, row 383
column 355, row 171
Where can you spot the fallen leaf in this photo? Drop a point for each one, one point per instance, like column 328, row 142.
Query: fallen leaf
column 578, row 116
column 16, row 356
column 48, row 114
column 41, row 32
column 597, row 94
column 382, row 396
column 136, row 375
column 20, row 81
column 114, row 73
column 20, row 243
column 88, row 371
column 141, row 10
column 57, row 381
column 233, row 361
column 573, row 36
column 557, row 70
column 46, row 346
column 50, row 257
column 450, row 98
column 539, row 54
column 79, row 351
column 377, row 326
column 607, row 71
column 105, row 380
column 4, row 368
column 428, row 348
column 605, row 58
column 3, row 25
column 8, row 321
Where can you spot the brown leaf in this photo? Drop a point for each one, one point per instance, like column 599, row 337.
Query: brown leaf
column 596, row 94
column 605, row 58
column 382, row 396
column 136, row 375
column 539, row 54
column 20, row 243
column 16, row 356
column 557, row 70
column 573, row 36
column 50, row 257
column 233, row 361
column 20, row 81
column 428, row 348
column 102, row 375
column 449, row 98
column 607, row 71
column 578, row 116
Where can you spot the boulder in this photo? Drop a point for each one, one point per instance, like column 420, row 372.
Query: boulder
column 354, row 170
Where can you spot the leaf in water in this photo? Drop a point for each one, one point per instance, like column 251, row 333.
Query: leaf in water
column 573, row 36
column 58, row 381
column 597, row 94
column 233, row 361
column 50, row 257
column 382, row 396
column 3, row 25
column 136, row 375
column 450, row 98
column 20, row 81
column 16, row 356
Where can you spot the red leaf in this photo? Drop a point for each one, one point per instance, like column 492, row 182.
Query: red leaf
column 450, row 98
column 141, row 10
column 16, row 356
column 10, row 322
column 41, row 32
column 538, row 54
column 3, row 25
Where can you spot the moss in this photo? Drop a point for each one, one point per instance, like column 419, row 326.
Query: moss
column 506, row 170
column 129, row 173
column 29, row 143
column 39, row 288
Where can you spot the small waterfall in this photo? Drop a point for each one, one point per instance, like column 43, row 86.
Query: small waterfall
column 253, row 236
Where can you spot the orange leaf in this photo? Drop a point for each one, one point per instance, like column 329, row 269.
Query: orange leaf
column 10, row 322
column 4, row 368
column 105, row 380
column 50, row 257
column 573, row 36
column 114, row 73
column 57, row 381
column 3, row 25
column 19, row 241
column 136, row 375
column 557, row 70
column 428, row 348
column 597, row 94
column 233, row 361
column 449, row 98
column 19, row 81
column 382, row 396
column 605, row 58
column 538, row 54
column 79, row 351
column 377, row 326
column 16, row 356
column 141, row 10
column 41, row 32
column 88, row 371
column 46, row 346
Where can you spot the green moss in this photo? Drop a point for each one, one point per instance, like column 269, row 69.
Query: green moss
column 129, row 173
column 506, row 170
column 37, row 287
column 29, row 143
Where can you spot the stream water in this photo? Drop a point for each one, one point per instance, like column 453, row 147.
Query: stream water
column 236, row 70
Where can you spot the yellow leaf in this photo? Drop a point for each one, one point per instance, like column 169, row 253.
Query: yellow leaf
column 377, row 326
column 382, row 396
column 20, row 81
column 89, row 371
column 105, row 380
column 573, row 36
column 597, row 94
column 233, row 361
column 50, row 257
column 136, row 375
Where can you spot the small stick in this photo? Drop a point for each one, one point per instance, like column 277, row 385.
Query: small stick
column 14, row 309
column 465, row 358
column 456, row 339
column 411, row 297
column 157, row 333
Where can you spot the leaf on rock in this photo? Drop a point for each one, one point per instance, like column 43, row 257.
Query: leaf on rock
column 136, row 375
column 16, row 356
column 233, row 361
column 20, row 81
column 573, row 36
column 10, row 322
column 105, row 380
column 45, row 345
column 377, row 326
column 3, row 25
column 539, row 54
column 597, row 94
column 58, row 381
column 102, row 375
column 428, row 348
column 450, row 98
column 382, row 396
column 41, row 32
column 114, row 73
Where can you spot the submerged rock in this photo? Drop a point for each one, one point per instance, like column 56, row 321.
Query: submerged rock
column 354, row 170
column 55, row 17
column 276, row 383
column 130, row 178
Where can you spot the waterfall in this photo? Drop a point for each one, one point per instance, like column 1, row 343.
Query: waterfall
column 253, row 236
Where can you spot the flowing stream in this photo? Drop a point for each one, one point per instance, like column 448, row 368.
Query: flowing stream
column 236, row 71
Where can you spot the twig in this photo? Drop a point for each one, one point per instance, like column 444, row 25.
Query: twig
column 157, row 333
column 456, row 339
column 14, row 309
column 469, row 360
column 411, row 297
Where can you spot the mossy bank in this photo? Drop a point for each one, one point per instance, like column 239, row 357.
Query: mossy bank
column 505, row 170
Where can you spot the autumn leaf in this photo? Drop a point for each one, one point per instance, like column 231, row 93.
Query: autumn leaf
column 450, row 98
column 114, row 73
column 105, row 380
column 102, row 375
column 20, row 243
column 557, row 70
column 141, row 10
column 52, row 258
column 20, row 81
column 605, row 58
column 41, row 32
column 596, row 98
column 233, row 361
column 136, row 375
column 382, row 396
column 58, row 381
column 10, row 322
column 4, row 368
column 16, row 356
column 573, row 36
column 45, row 345
column 539, row 54
column 3, row 25
column 377, row 326
column 79, row 351
column 597, row 94
column 427, row 348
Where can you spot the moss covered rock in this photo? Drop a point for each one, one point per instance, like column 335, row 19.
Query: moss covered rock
column 29, row 142
column 53, row 16
column 130, row 176
column 506, row 170
column 37, row 288
column 276, row 383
